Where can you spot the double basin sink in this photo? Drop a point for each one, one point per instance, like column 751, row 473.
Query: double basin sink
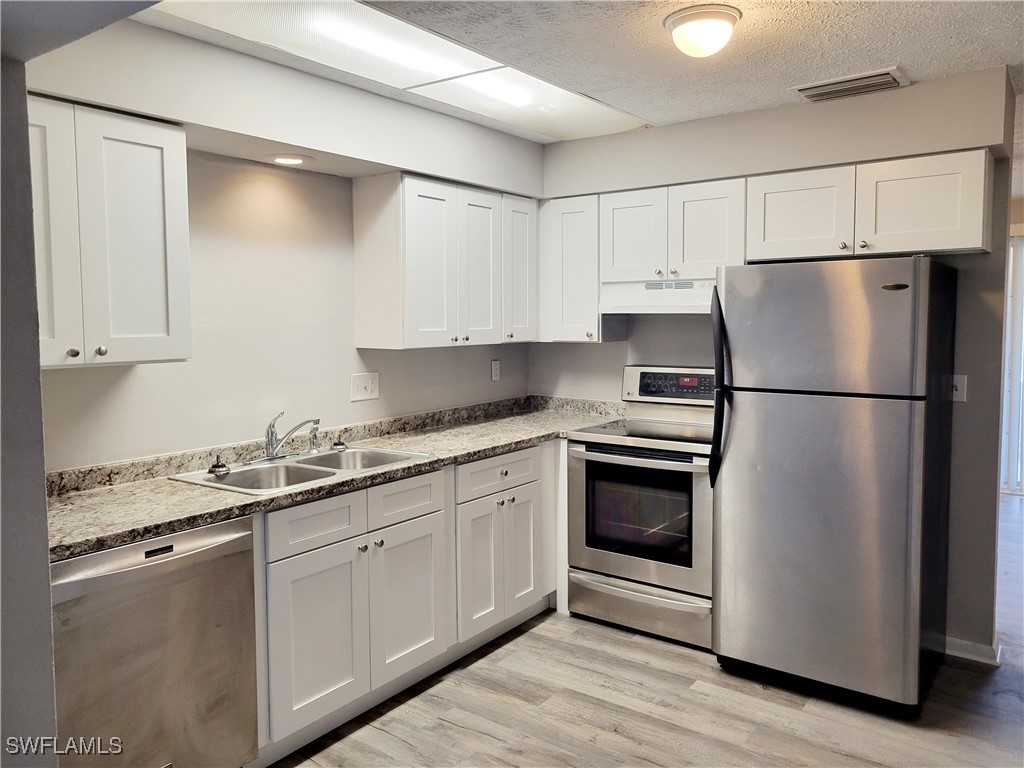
column 290, row 473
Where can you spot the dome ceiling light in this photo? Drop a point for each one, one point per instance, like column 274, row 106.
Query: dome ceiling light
column 702, row 30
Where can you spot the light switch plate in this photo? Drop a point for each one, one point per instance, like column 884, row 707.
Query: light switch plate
column 365, row 386
column 959, row 388
column 495, row 370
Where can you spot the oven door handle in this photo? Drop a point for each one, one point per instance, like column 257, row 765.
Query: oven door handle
column 628, row 461
column 598, row 584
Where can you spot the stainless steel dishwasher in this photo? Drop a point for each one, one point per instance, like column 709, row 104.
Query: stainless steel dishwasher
column 155, row 651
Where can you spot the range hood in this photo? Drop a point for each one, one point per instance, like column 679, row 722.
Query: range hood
column 657, row 297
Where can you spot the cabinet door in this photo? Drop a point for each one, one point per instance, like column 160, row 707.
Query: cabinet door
column 408, row 597
column 938, row 203
column 133, row 224
column 519, row 268
column 569, row 287
column 431, row 263
column 317, row 634
column 481, row 580
column 55, row 219
column 800, row 215
column 479, row 266
column 528, row 573
column 634, row 228
column 706, row 228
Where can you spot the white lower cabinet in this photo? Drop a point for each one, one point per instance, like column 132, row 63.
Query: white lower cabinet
column 504, row 558
column 349, row 617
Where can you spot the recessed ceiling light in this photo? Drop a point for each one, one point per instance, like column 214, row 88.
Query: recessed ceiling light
column 283, row 158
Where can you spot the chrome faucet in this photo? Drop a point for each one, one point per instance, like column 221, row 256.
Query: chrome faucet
column 274, row 443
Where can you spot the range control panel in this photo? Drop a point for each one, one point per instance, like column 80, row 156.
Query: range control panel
column 660, row 384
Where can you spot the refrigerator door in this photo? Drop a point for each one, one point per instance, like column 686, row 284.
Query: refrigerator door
column 817, row 539
column 833, row 326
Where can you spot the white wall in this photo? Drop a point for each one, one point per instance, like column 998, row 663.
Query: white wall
column 594, row 371
column 137, row 68
column 272, row 322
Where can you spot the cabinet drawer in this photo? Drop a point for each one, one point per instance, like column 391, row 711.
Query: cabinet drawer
column 309, row 526
column 404, row 499
column 496, row 474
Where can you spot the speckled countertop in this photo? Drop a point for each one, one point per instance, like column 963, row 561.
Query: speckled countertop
column 87, row 521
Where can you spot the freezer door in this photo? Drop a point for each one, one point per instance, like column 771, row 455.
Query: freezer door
column 828, row 326
column 817, row 540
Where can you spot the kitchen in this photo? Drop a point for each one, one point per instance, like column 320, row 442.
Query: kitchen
column 241, row 209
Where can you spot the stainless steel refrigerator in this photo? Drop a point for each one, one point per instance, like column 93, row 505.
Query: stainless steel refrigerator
column 830, row 466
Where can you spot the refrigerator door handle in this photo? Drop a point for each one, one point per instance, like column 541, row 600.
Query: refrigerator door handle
column 721, row 352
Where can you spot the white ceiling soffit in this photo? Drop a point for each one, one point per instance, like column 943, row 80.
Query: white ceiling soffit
column 354, row 44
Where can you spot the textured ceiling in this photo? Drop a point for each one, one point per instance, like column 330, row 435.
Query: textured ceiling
column 619, row 52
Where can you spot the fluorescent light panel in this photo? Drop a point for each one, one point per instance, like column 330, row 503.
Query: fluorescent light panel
column 342, row 35
column 362, row 41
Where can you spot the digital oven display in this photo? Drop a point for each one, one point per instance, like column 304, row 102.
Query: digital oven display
column 654, row 384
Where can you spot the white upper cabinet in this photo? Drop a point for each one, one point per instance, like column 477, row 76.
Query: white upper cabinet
column 430, row 240
column 918, row 205
column 936, row 203
column 633, row 235
column 428, row 263
column 800, row 215
column 479, row 266
column 111, row 205
column 706, row 228
column 569, row 284
column 519, row 269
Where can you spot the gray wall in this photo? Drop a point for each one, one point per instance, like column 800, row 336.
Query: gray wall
column 26, row 645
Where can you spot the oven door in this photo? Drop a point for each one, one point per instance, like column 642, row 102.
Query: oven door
column 641, row 515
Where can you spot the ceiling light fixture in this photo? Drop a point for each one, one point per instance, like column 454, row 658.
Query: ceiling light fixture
column 702, row 30
column 289, row 159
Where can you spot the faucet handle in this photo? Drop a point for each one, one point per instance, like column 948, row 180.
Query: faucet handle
column 313, row 431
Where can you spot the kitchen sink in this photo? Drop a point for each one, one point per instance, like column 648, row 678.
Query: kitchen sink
column 355, row 458
column 266, row 478
column 311, row 470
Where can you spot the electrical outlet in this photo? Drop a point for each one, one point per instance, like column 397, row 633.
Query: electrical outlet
column 495, row 370
column 959, row 388
column 365, row 386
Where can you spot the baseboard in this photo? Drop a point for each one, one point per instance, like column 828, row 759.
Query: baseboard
column 981, row 653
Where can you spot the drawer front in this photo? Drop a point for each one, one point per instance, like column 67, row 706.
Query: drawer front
column 404, row 499
column 317, row 524
column 496, row 474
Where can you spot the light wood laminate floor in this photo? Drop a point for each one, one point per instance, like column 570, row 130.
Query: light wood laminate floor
column 562, row 691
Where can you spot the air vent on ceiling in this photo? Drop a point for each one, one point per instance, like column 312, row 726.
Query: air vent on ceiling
column 869, row 82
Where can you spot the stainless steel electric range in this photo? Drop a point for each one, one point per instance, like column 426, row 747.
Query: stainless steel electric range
column 640, row 507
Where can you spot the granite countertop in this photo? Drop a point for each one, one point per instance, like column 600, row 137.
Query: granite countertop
column 87, row 521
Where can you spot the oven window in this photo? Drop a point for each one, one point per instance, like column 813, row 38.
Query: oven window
column 645, row 513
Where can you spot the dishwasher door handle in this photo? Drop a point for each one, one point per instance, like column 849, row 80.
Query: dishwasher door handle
column 71, row 581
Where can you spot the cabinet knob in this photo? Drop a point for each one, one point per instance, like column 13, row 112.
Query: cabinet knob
column 673, row 271
column 73, row 352
column 501, row 502
column 511, row 499
column 465, row 338
column 862, row 244
column 378, row 542
column 511, row 335
column 363, row 547
column 842, row 245
column 504, row 473
column 455, row 339
column 658, row 272
column 102, row 351
column 590, row 335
